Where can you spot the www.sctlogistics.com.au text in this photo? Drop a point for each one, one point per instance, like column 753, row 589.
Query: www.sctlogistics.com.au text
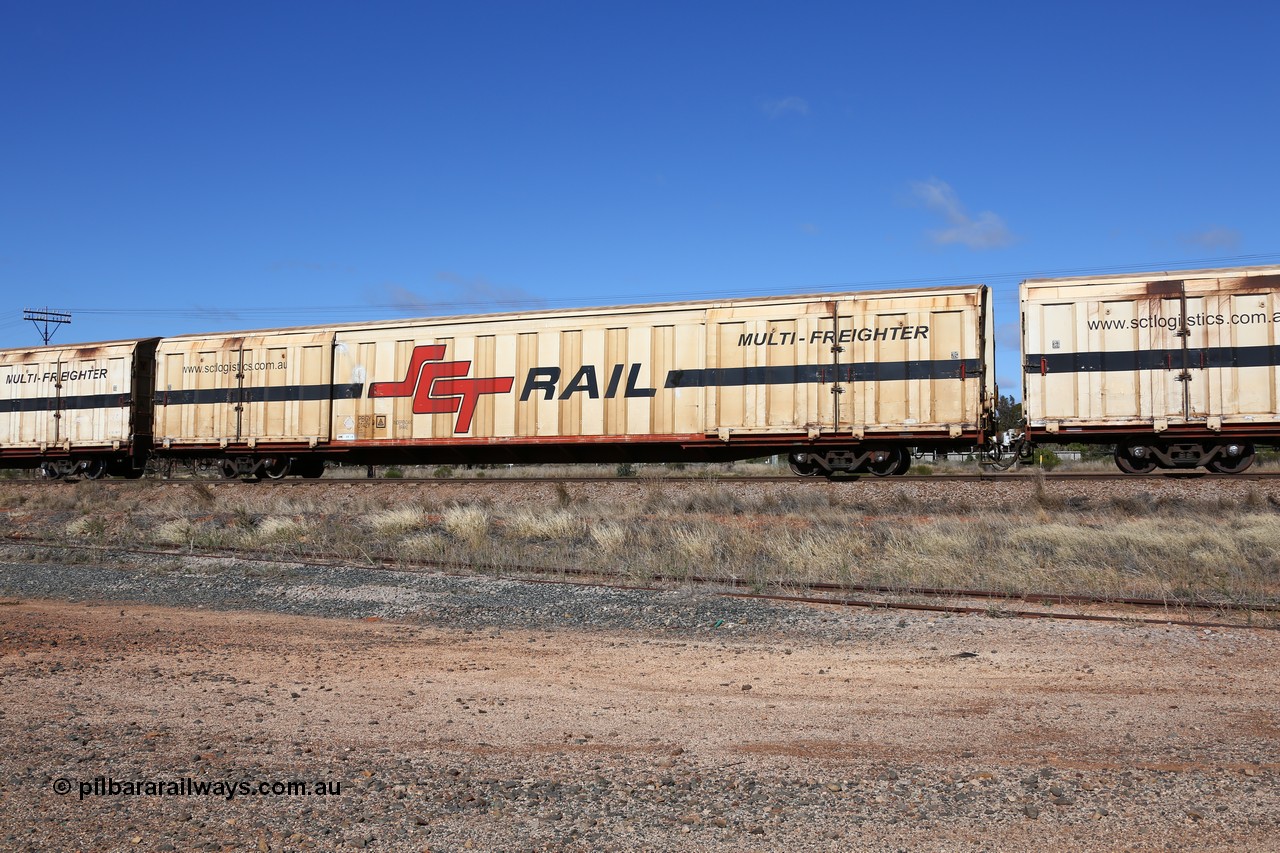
column 228, row 789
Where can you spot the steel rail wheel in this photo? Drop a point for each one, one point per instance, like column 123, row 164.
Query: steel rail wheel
column 801, row 465
column 1132, row 465
column 1233, row 464
column 894, row 458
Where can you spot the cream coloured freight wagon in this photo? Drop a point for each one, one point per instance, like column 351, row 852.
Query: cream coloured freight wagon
column 839, row 381
column 1176, row 369
column 77, row 409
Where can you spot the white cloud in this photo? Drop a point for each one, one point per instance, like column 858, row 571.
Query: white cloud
column 1213, row 237
column 985, row 230
column 479, row 289
column 404, row 299
column 778, row 107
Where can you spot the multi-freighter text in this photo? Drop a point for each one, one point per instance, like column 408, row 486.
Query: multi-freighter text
column 88, row 373
column 776, row 338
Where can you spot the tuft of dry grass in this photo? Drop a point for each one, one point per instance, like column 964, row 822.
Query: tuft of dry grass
column 467, row 524
column 609, row 537
column 179, row 531
column 423, row 547
column 391, row 522
column 277, row 530
column 531, row 524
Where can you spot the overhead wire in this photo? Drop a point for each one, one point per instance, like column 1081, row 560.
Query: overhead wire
column 533, row 302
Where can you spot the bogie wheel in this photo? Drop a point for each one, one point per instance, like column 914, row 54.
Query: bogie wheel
column 229, row 469
column 1233, row 464
column 893, row 459
column 903, row 466
column 275, row 467
column 802, row 466
column 95, row 469
column 1131, row 465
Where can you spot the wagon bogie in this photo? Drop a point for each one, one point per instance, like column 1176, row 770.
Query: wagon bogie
column 1141, row 457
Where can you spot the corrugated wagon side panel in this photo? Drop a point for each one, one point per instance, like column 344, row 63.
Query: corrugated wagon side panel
column 1114, row 330
column 526, row 420
column 1056, row 393
column 730, row 357
column 485, row 365
column 616, row 352
column 892, row 394
column 783, row 402
column 569, row 409
column 1250, row 389
column 315, row 366
column 689, row 405
column 945, row 400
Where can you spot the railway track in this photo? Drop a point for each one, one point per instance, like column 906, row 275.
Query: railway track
column 482, row 482
column 995, row 603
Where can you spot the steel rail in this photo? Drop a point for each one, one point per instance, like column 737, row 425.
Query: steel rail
column 993, row 477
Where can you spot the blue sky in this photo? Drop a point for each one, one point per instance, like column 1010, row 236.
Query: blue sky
column 176, row 167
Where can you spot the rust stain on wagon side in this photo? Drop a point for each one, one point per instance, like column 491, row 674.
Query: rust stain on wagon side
column 1249, row 284
column 1164, row 287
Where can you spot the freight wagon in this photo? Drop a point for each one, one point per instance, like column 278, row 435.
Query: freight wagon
column 1177, row 370
column 78, row 410
column 840, row 382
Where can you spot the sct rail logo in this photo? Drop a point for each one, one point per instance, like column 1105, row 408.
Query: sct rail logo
column 440, row 388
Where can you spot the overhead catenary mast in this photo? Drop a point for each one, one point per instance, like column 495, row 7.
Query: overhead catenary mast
column 46, row 321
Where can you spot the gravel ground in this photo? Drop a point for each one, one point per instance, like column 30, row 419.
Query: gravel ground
column 476, row 602
column 446, row 713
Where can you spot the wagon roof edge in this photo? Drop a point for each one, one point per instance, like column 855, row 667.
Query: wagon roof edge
column 1154, row 275
column 587, row 311
column 78, row 345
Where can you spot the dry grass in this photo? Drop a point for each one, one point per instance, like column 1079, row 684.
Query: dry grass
column 1130, row 543
column 535, row 525
column 392, row 522
column 467, row 524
